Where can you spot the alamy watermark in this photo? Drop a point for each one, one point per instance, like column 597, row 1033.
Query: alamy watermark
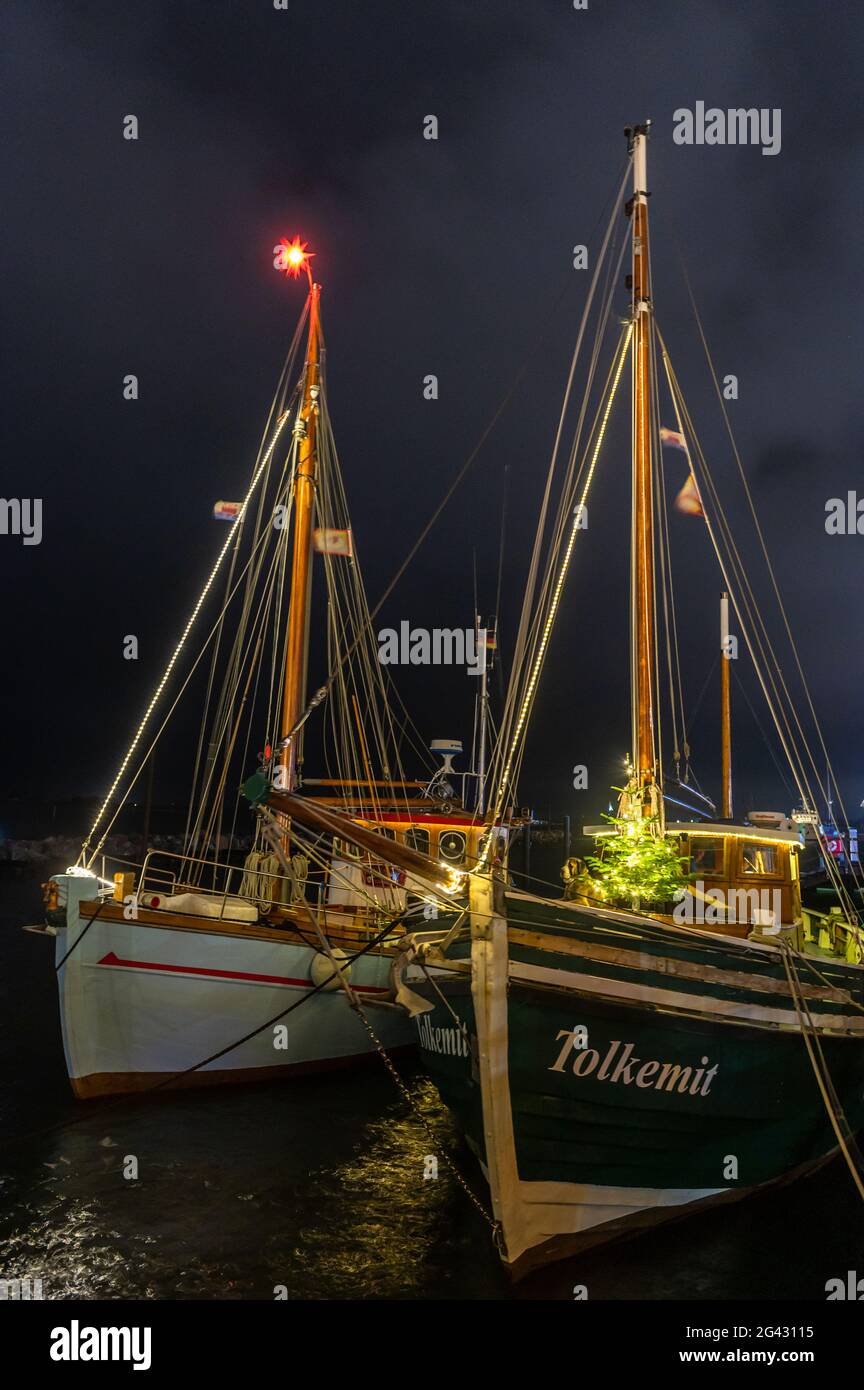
column 77, row 1343
column 437, row 646
column 844, row 516
column 21, row 1290
column 851, row 1288
column 735, row 126
column 714, row 906
column 22, row 516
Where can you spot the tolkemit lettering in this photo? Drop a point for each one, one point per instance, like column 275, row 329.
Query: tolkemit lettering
column 620, row 1067
column 449, row 1042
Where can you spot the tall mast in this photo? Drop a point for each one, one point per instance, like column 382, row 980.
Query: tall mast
column 725, row 711
column 644, row 638
column 297, row 642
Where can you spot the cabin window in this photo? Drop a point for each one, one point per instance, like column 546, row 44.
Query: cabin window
column 452, row 845
column 416, row 837
column 386, row 832
column 706, row 856
column 759, row 859
column 343, row 849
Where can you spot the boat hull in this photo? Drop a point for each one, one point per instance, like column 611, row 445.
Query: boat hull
column 143, row 1004
column 644, row 1075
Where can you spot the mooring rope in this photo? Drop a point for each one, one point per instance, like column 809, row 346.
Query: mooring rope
column 836, row 1114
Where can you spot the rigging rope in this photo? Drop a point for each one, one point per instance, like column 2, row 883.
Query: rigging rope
column 178, row 649
column 527, row 700
column 768, row 671
column 278, row 407
column 765, row 553
column 831, row 1101
column 213, row 631
column 322, row 692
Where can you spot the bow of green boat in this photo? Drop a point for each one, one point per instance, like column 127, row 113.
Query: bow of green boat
column 611, row 1071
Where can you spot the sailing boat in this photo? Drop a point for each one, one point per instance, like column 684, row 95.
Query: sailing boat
column 199, row 967
column 677, row 1031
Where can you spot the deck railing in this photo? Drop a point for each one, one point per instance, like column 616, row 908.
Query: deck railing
column 171, row 873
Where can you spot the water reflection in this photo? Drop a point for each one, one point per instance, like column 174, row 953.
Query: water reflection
column 317, row 1186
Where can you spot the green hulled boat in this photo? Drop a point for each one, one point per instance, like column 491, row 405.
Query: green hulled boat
column 611, row 1071
column 619, row 1057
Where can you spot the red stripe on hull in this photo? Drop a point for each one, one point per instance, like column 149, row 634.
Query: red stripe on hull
column 111, row 959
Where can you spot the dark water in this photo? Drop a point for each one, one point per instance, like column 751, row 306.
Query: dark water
column 318, row 1185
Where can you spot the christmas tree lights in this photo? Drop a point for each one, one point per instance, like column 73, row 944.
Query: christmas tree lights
column 638, row 866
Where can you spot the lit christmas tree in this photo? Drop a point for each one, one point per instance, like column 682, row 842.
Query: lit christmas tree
column 639, row 866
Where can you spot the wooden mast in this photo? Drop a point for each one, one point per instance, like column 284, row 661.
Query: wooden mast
column 725, row 710
column 305, row 429
column 644, row 704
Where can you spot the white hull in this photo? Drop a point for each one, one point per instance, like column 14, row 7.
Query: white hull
column 140, row 1003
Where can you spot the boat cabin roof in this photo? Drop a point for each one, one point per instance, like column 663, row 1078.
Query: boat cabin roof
column 762, row 834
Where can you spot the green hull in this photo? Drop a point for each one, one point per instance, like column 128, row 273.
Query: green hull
column 691, row 1080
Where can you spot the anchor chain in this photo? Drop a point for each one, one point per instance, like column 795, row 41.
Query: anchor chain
column 495, row 1226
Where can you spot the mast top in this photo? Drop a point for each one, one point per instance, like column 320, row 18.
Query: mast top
column 634, row 131
column 637, row 142
column 292, row 257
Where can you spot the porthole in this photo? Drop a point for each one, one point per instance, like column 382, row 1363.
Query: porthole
column 451, row 846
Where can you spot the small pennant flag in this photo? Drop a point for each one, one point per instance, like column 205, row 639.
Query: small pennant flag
column 487, row 643
column 227, row 511
column 673, row 437
column 688, row 499
column 329, row 542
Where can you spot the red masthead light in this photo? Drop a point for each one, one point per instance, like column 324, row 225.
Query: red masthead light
column 292, row 257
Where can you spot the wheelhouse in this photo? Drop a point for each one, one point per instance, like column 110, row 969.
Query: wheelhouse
column 455, row 842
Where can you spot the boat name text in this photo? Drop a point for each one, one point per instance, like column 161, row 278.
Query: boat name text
column 449, row 1042
column 625, row 1069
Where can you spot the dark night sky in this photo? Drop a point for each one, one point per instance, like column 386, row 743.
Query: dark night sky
column 452, row 257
